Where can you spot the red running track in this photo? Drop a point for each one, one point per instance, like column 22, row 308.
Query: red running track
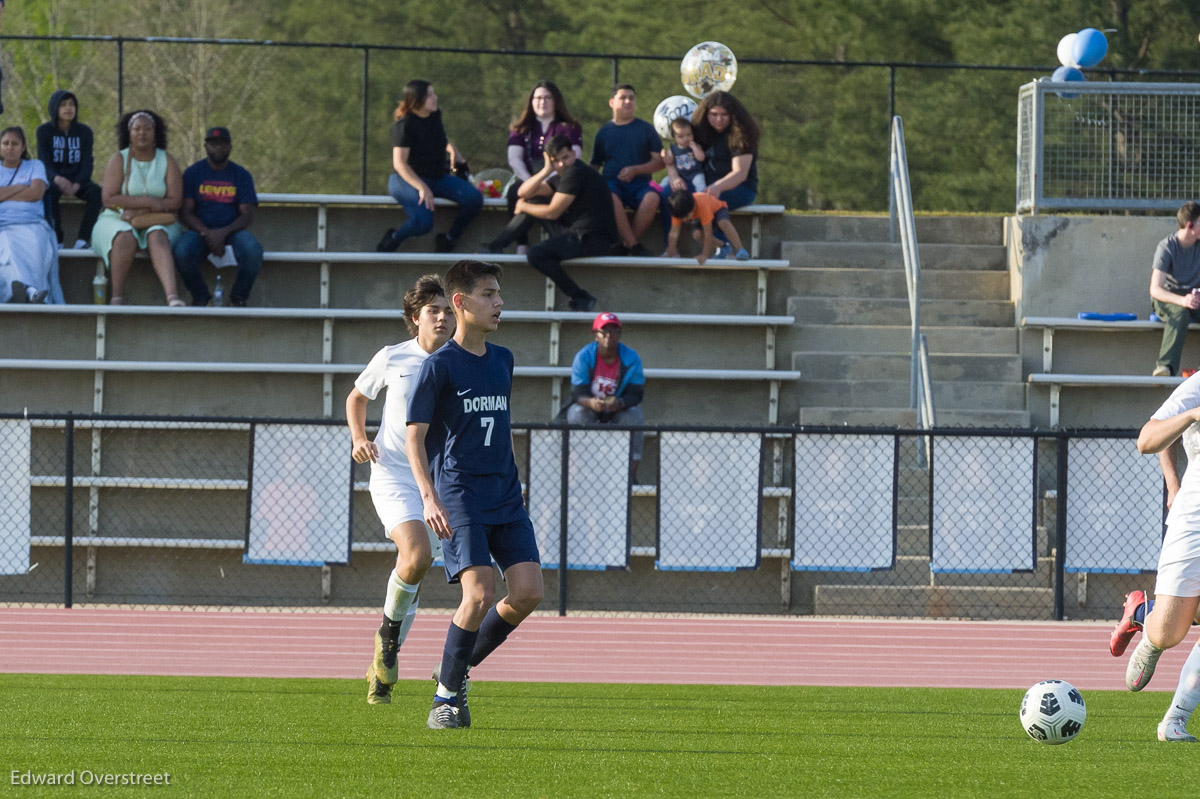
column 731, row 651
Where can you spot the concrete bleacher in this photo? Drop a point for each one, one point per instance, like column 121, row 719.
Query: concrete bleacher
column 305, row 360
column 1085, row 373
column 1099, row 363
column 325, row 301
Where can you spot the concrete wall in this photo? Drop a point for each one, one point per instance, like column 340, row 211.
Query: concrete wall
column 1061, row 265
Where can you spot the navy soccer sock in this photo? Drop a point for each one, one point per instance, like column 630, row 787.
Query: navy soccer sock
column 459, row 643
column 1139, row 615
column 493, row 632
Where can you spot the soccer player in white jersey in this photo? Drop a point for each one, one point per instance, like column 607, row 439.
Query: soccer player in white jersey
column 460, row 448
column 1165, row 620
column 397, row 500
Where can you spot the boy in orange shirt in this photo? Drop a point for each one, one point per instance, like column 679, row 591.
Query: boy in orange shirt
column 704, row 210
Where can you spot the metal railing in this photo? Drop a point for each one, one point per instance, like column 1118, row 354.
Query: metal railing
column 1107, row 146
column 920, row 387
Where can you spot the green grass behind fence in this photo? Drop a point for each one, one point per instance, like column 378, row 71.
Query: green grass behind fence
column 265, row 737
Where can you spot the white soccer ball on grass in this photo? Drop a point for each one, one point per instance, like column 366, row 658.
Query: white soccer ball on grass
column 1053, row 712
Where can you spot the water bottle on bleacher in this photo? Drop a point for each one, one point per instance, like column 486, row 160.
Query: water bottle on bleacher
column 218, row 294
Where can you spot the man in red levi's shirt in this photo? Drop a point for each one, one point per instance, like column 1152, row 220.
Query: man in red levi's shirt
column 607, row 382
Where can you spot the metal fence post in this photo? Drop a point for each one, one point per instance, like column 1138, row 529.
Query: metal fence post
column 891, row 91
column 120, row 76
column 616, row 72
column 562, row 524
column 1060, row 529
column 69, row 510
column 366, row 96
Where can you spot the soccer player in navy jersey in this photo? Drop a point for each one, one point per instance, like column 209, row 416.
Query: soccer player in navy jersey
column 460, row 448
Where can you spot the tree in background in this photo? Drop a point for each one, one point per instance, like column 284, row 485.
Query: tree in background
column 297, row 112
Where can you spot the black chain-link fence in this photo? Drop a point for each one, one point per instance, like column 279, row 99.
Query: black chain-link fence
column 859, row 522
column 337, row 140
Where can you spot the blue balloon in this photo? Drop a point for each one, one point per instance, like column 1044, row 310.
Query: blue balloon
column 1090, row 47
column 1063, row 74
column 1067, row 74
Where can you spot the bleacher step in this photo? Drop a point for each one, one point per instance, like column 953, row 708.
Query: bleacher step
column 935, row 602
column 896, row 366
column 881, row 255
column 865, row 311
column 895, row 393
column 906, row 418
column 861, row 227
column 815, row 337
column 911, row 570
column 890, row 284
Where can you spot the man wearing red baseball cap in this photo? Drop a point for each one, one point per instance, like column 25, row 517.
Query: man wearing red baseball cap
column 607, row 382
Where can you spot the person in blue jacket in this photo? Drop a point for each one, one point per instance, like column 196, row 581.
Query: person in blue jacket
column 607, row 382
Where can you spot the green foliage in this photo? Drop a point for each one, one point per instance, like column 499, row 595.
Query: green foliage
column 297, row 113
column 264, row 737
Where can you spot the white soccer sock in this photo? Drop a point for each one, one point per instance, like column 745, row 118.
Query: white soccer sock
column 407, row 624
column 400, row 596
column 1187, row 695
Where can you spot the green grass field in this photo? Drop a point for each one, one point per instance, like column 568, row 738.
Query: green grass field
column 301, row 738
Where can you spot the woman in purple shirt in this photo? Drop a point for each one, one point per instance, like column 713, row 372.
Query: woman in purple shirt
column 545, row 115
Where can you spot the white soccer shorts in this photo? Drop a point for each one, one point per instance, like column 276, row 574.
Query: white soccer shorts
column 1178, row 567
column 397, row 502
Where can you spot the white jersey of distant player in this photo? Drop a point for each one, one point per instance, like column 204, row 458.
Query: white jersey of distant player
column 1184, row 516
column 394, row 368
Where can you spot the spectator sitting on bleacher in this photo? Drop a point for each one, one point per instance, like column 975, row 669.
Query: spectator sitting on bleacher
column 28, row 251
column 706, row 211
column 1175, row 287
column 420, row 172
column 584, row 204
column 219, row 203
column 545, row 115
column 729, row 136
column 64, row 146
column 142, row 180
column 607, row 382
column 628, row 150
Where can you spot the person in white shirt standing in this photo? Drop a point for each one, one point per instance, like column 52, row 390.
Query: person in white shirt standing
column 394, row 491
column 1165, row 620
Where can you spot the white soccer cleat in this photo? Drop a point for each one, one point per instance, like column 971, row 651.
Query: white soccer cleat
column 1141, row 665
column 1175, row 731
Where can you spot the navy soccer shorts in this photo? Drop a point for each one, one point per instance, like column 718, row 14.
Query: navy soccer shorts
column 478, row 544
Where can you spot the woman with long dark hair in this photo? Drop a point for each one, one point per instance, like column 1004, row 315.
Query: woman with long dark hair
column 420, row 151
column 544, row 116
column 729, row 136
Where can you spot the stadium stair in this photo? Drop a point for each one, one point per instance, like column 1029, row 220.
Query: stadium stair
column 851, row 339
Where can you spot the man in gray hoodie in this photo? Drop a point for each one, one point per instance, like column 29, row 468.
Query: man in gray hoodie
column 64, row 145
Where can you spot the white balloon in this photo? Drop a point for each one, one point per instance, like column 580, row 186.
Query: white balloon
column 708, row 67
column 1066, row 50
column 671, row 109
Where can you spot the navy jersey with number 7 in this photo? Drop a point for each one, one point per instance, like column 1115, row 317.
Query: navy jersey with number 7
column 464, row 398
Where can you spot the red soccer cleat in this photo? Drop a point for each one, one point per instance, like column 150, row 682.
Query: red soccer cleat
column 1123, row 633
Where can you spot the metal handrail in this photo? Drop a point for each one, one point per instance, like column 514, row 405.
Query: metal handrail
column 920, row 392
